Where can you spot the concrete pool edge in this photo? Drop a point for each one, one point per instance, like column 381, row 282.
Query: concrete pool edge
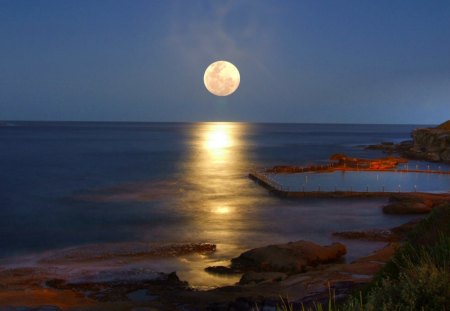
column 278, row 190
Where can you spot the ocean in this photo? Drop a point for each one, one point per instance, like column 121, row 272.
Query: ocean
column 67, row 184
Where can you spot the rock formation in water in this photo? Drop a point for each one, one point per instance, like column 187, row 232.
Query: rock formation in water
column 431, row 144
column 292, row 257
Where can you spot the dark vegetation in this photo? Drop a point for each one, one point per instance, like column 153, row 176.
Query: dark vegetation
column 417, row 277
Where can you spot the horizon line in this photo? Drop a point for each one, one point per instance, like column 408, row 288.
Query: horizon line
column 192, row 122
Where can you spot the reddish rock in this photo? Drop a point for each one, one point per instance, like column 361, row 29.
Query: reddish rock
column 290, row 258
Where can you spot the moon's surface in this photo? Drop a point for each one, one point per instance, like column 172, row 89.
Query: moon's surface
column 221, row 78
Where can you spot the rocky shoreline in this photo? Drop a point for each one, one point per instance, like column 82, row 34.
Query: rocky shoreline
column 302, row 271
column 429, row 144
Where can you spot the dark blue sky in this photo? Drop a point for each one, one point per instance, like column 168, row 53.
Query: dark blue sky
column 300, row 61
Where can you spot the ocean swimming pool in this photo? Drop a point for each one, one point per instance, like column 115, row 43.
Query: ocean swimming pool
column 363, row 181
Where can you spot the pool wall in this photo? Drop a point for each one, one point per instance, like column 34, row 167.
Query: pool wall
column 333, row 191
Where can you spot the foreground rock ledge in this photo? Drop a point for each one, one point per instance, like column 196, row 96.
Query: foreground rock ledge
column 114, row 290
column 289, row 258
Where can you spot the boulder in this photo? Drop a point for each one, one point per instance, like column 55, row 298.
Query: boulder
column 289, row 258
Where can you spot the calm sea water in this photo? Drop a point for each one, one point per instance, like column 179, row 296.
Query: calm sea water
column 68, row 184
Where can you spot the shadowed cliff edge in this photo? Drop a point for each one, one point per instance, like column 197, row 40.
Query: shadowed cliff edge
column 430, row 144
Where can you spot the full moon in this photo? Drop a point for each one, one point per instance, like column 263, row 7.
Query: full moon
column 221, row 78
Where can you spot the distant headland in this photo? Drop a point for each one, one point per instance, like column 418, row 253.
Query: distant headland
column 430, row 144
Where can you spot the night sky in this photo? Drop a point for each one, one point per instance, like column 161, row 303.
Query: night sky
column 300, row 61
